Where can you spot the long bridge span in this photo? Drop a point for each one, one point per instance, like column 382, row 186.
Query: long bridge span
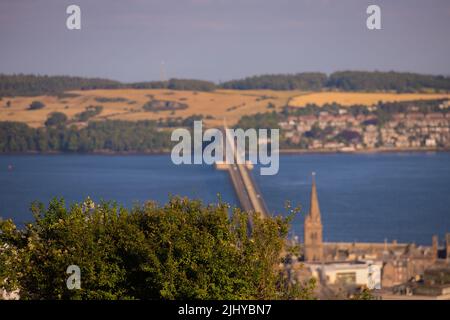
column 247, row 191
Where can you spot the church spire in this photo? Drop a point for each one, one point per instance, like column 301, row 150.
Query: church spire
column 314, row 211
column 313, row 228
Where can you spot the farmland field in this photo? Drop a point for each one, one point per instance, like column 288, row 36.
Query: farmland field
column 127, row 104
column 352, row 98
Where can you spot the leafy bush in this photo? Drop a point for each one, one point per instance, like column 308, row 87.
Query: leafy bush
column 56, row 119
column 268, row 120
column 107, row 99
column 182, row 250
column 162, row 105
column 349, row 136
column 90, row 112
column 36, row 105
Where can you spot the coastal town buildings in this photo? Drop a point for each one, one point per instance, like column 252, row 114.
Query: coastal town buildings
column 347, row 132
column 393, row 270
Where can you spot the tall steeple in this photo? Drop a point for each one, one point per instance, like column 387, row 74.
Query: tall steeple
column 313, row 228
column 314, row 210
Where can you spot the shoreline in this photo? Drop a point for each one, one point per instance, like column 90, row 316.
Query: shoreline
column 289, row 151
column 362, row 151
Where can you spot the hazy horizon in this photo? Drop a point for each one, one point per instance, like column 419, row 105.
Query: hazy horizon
column 217, row 40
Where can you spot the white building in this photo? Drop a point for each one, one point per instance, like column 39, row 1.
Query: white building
column 358, row 273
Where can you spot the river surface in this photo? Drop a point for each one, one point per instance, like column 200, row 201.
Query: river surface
column 363, row 197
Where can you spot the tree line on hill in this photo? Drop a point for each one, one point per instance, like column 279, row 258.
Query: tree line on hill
column 300, row 81
column 97, row 136
column 344, row 81
column 175, row 84
column 387, row 81
column 33, row 85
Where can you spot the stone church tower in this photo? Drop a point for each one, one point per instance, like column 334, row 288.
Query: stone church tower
column 313, row 244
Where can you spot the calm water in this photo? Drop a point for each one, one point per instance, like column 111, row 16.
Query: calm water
column 402, row 196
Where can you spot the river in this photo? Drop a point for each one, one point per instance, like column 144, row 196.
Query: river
column 363, row 197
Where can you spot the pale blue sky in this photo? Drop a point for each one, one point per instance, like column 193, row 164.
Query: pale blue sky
column 222, row 39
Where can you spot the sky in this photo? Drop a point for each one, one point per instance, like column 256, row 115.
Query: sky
column 220, row 40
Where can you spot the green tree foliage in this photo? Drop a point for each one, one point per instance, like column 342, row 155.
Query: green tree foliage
column 16, row 137
column 90, row 112
column 36, row 105
column 363, row 294
column 312, row 109
column 299, row 81
column 162, row 105
column 175, row 122
column 56, row 119
column 383, row 109
column 317, row 133
column 267, row 120
column 386, row 81
column 149, row 85
column 190, row 84
column 182, row 250
column 270, row 105
column 345, row 81
column 112, row 136
column 114, row 99
column 348, row 136
column 34, row 85
column 176, row 84
column 423, row 106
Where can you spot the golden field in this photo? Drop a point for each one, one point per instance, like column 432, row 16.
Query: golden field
column 220, row 104
column 351, row 98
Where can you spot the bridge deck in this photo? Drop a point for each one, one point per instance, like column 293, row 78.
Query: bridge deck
column 247, row 191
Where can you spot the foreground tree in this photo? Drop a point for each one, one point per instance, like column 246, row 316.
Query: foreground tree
column 183, row 250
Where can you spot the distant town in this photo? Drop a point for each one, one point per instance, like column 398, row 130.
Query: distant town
column 343, row 112
column 345, row 131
